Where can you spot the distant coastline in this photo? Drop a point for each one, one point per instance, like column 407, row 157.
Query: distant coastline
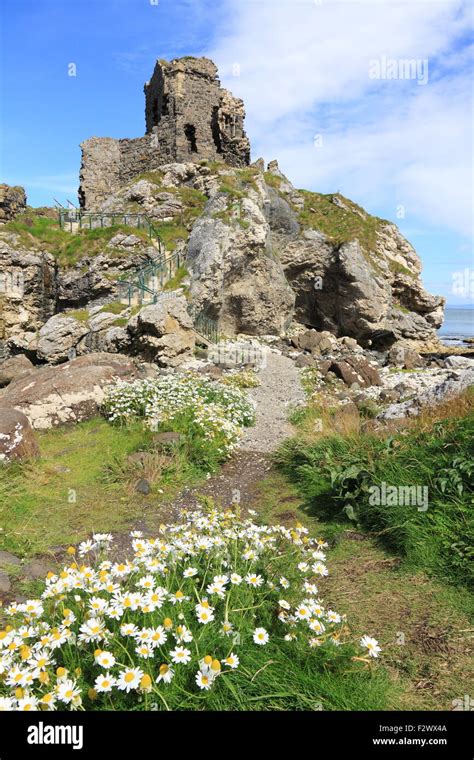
column 458, row 326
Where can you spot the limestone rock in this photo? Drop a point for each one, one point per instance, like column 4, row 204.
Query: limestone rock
column 13, row 368
column 12, row 202
column 17, row 438
column 405, row 357
column 69, row 392
column 234, row 275
column 163, row 332
column 27, row 290
column 356, row 370
column 58, row 336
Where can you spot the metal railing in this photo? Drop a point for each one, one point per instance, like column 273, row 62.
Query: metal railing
column 145, row 285
column 207, row 327
column 73, row 220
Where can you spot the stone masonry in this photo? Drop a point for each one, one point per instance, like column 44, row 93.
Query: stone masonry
column 189, row 117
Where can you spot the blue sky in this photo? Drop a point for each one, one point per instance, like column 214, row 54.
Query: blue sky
column 401, row 147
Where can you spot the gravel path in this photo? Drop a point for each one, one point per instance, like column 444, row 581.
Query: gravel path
column 280, row 390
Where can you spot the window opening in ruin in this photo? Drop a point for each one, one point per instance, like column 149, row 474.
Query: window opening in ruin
column 165, row 105
column 154, row 111
column 216, row 132
column 190, row 132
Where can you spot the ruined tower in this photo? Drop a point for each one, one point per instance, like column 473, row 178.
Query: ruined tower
column 189, row 117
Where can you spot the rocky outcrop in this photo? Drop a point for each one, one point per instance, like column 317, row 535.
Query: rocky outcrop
column 235, row 275
column 350, row 291
column 27, row 290
column 163, row 332
column 58, row 336
column 14, row 368
column 12, row 202
column 68, row 393
column 432, row 390
column 17, row 438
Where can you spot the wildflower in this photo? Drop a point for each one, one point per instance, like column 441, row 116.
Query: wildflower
column 260, row 636
column 236, row 579
column 48, row 700
column 303, row 612
column 180, row 654
column 319, row 569
column 67, row 691
column 203, row 681
column 254, row 580
column 371, row 644
column 189, row 572
column 158, row 636
column 105, row 659
column 27, row 703
column 204, row 612
column 183, row 634
column 284, row 583
column 92, row 630
column 178, row 597
column 317, row 626
column 104, row 682
column 165, row 673
column 232, row 661
column 33, row 607
column 144, row 650
column 333, row 617
column 129, row 679
column 145, row 683
column 128, row 629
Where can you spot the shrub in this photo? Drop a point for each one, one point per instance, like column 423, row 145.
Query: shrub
column 208, row 413
column 199, row 611
column 246, row 378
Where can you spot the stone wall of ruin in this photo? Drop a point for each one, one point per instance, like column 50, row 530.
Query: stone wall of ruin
column 189, row 117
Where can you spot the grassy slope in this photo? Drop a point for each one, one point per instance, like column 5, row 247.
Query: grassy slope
column 423, row 626
column 336, row 474
column 92, row 460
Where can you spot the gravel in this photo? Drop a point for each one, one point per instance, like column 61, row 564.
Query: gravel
column 280, row 390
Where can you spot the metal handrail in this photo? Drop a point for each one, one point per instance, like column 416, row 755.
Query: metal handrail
column 86, row 219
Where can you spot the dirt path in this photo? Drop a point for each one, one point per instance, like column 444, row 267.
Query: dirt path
column 238, row 478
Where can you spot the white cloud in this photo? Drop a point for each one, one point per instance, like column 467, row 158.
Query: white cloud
column 304, row 71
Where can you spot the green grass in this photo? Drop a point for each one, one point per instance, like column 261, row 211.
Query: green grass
column 42, row 233
column 272, row 180
column 322, row 214
column 82, row 315
column 337, row 474
column 89, row 463
column 422, row 624
column 116, row 307
column 175, row 282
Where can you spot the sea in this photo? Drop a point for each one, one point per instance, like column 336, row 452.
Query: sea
column 458, row 325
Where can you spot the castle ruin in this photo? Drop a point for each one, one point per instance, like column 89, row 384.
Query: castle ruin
column 189, row 117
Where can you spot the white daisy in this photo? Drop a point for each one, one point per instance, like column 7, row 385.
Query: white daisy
column 180, row 654
column 260, row 636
